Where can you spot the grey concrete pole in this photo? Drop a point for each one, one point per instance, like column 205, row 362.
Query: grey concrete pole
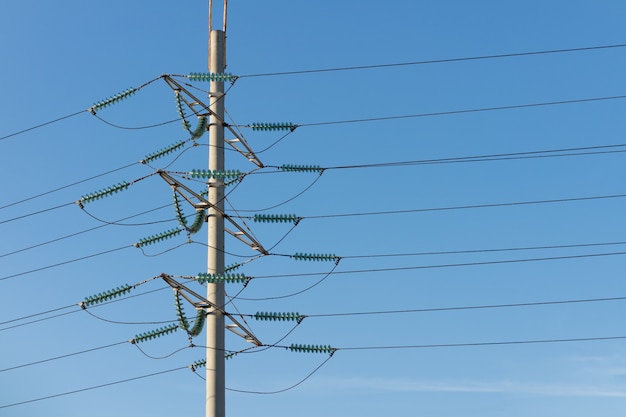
column 215, row 360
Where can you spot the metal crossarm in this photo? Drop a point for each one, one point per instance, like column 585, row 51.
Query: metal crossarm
column 192, row 101
column 201, row 203
column 202, row 302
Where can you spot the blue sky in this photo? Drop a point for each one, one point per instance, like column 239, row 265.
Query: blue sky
column 446, row 236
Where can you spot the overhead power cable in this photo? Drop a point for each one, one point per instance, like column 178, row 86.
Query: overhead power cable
column 92, row 109
column 489, row 250
column 434, row 61
column 91, row 388
column 446, row 208
column 449, row 265
column 363, row 313
column 86, row 198
column 362, row 67
column 352, row 348
column 43, row 124
column 463, row 111
column 552, row 153
column 475, row 206
column 493, row 205
column 63, row 356
column 82, row 258
column 465, row 308
column 76, row 310
column 66, row 186
column 476, row 344
column 46, row 210
column 81, row 232
column 578, row 151
column 510, row 156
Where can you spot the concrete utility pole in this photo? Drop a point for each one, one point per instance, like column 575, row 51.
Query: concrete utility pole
column 215, row 360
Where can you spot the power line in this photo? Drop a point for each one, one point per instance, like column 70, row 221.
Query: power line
column 353, row 348
column 464, row 111
column 361, row 67
column 66, row 186
column 463, row 308
column 63, row 356
column 457, row 252
column 384, row 312
column 476, row 206
column 88, row 110
column 371, row 214
column 73, row 311
column 390, row 212
column 38, row 314
column 471, row 158
column 80, row 202
column 450, row 265
column 42, row 124
column 136, row 127
column 92, row 387
column 590, row 150
column 491, row 157
column 23, row 216
column 81, row 232
column 284, row 389
column 64, row 263
column 509, row 342
column 435, row 61
column 369, row 256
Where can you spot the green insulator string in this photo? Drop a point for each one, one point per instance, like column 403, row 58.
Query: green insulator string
column 181, row 111
column 161, row 153
column 198, row 324
column 276, row 218
column 198, row 222
column 200, row 128
column 153, row 334
column 204, row 278
column 183, row 323
column 315, row 257
column 112, row 100
column 157, row 238
column 106, row 296
column 312, row 348
column 182, row 219
column 271, row 316
column 202, row 76
column 301, row 168
column 204, row 173
column 267, row 127
column 232, row 267
column 201, row 363
column 180, row 216
column 202, row 120
column 97, row 195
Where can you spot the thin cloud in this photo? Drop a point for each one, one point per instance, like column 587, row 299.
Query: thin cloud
column 479, row 387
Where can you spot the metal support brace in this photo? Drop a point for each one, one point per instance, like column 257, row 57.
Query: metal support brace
column 203, row 303
column 202, row 203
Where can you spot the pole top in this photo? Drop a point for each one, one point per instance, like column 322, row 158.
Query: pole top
column 211, row 28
